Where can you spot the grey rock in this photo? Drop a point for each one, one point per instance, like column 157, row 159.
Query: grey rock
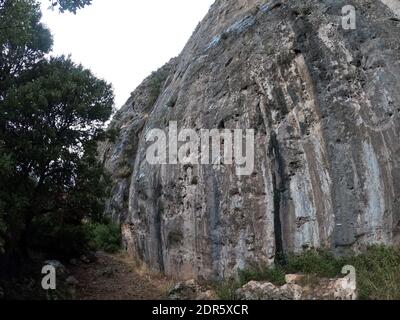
column 325, row 104
column 324, row 289
column 267, row 291
column 191, row 290
column 184, row 291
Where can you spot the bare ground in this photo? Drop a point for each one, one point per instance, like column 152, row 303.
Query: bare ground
column 116, row 277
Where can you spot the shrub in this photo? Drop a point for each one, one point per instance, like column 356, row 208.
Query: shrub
column 112, row 134
column 275, row 275
column 156, row 82
column 227, row 290
column 58, row 240
column 378, row 273
column 124, row 172
column 321, row 263
column 106, row 236
column 2, row 233
column 3, row 229
column 377, row 270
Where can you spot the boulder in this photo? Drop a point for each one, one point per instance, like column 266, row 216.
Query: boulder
column 191, row 290
column 256, row 290
column 297, row 288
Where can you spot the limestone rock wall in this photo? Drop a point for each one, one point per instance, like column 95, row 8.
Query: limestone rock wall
column 325, row 104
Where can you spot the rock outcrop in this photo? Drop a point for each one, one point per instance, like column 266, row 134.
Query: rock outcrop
column 325, row 106
column 191, row 290
column 297, row 288
column 267, row 291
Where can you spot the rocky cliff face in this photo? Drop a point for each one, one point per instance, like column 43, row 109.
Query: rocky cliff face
column 325, row 106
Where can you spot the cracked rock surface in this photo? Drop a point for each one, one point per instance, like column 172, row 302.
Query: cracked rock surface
column 325, row 106
column 296, row 288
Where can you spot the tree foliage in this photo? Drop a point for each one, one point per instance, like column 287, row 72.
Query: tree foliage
column 70, row 5
column 52, row 115
column 24, row 40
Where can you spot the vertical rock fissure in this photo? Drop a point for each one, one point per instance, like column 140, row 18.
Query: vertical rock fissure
column 277, row 174
column 214, row 196
column 158, row 231
column 278, row 187
column 314, row 93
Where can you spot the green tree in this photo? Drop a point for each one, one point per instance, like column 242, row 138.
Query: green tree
column 24, row 40
column 52, row 114
column 5, row 170
column 50, row 121
column 70, row 5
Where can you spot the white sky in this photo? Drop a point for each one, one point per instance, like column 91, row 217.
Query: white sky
column 123, row 41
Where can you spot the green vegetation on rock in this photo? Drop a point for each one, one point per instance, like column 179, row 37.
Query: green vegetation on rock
column 377, row 270
column 156, row 82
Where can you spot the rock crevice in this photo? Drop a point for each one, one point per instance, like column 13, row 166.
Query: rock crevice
column 325, row 106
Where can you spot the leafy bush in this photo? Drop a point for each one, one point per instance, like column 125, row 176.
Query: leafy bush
column 112, row 134
column 227, row 290
column 3, row 229
column 59, row 240
column 378, row 270
column 70, row 5
column 5, row 169
column 320, row 263
column 105, row 236
column 275, row 275
column 124, row 171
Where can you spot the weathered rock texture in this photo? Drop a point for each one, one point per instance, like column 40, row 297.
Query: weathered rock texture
column 191, row 290
column 325, row 104
column 296, row 288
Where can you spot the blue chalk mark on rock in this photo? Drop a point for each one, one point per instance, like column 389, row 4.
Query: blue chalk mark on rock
column 245, row 23
column 265, row 7
column 242, row 25
column 214, row 41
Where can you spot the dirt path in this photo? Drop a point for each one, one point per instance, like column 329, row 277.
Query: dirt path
column 115, row 277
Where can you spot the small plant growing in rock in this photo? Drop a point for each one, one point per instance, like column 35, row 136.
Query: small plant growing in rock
column 112, row 134
column 124, row 172
column 156, row 82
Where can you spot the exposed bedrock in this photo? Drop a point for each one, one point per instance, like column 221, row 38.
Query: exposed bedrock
column 325, row 106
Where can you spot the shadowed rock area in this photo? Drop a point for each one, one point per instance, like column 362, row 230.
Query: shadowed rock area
column 325, row 106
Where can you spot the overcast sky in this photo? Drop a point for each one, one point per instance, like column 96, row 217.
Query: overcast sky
column 123, row 41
